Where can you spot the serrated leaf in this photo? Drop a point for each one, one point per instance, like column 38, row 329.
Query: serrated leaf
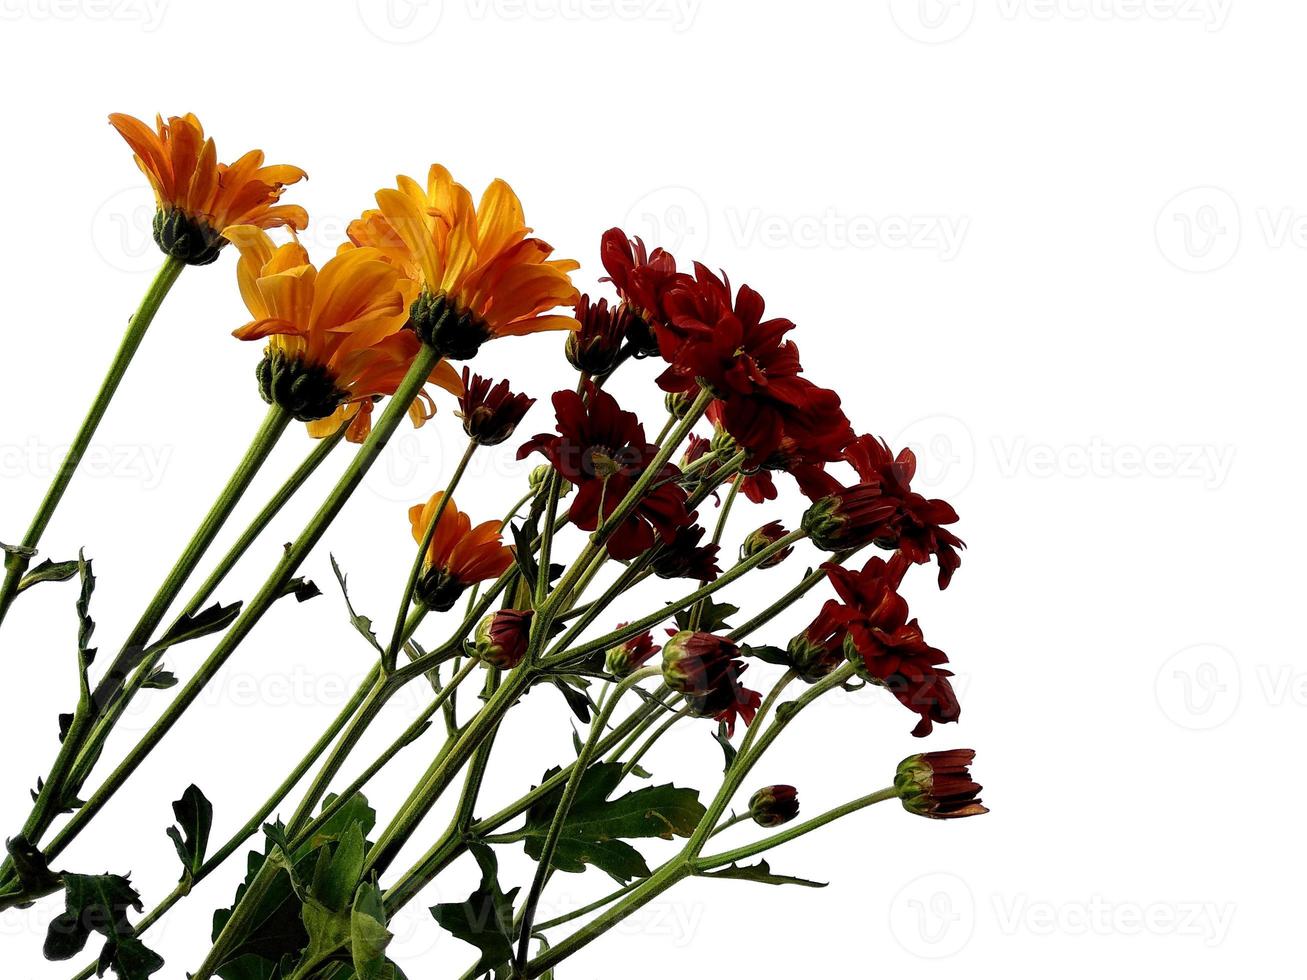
column 361, row 623
column 597, row 827
column 301, row 588
column 48, row 571
column 711, row 620
column 190, row 837
column 100, row 903
column 215, row 618
column 485, row 919
column 762, row 873
column 30, row 866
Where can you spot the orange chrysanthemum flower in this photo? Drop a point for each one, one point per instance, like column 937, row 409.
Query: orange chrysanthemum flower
column 336, row 337
column 198, row 197
column 459, row 554
column 481, row 275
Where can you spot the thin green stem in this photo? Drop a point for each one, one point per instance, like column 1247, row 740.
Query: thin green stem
column 629, row 766
column 271, row 590
column 16, row 561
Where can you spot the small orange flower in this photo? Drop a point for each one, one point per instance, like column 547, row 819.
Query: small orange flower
column 459, row 554
column 198, row 197
column 336, row 337
column 481, row 275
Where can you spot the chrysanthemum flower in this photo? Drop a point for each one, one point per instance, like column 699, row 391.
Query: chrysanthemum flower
column 597, row 344
column 603, row 451
column 459, row 555
column 684, row 557
column 198, row 197
column 502, row 638
column 490, row 412
column 889, row 649
column 763, row 538
column 939, row 785
column 336, row 337
column 480, row 274
column 773, row 806
column 707, row 670
column 626, row 658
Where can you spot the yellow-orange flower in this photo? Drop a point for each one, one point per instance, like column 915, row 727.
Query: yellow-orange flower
column 198, row 197
column 336, row 337
column 459, row 554
column 481, row 274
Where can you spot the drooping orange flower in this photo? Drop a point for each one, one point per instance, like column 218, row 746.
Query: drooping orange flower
column 198, row 197
column 459, row 555
column 481, row 274
column 336, row 337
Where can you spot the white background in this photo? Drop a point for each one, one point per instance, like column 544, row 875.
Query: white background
column 1054, row 244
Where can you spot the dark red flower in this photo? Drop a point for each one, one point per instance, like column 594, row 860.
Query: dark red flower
column 819, row 649
column 773, row 806
column 916, row 526
column 597, row 345
column 626, row 658
column 939, row 785
column 706, row 669
column 603, row 451
column 684, row 557
column 763, row 538
column 642, row 278
column 502, row 637
column 490, row 414
column 887, row 647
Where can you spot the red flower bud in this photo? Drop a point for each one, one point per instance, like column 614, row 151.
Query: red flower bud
column 939, row 785
column 706, row 669
column 501, row 638
column 772, row 806
column 762, row 539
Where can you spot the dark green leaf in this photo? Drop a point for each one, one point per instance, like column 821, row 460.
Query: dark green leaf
column 302, row 589
column 360, row 623
column 597, row 827
column 33, row 872
column 100, row 903
column 368, row 935
column 160, row 679
column 767, row 654
column 485, row 920
column 524, row 552
column 572, row 689
column 712, row 619
column 724, row 740
column 190, row 837
column 48, row 571
column 761, row 872
column 212, row 620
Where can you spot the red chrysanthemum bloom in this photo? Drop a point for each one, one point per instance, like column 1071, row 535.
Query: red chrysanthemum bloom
column 804, row 459
column 723, row 342
column 819, row 649
column 490, row 412
column 641, row 278
column 763, row 538
column 602, row 450
column 706, row 669
column 596, row 345
column 684, row 557
column 626, row 658
column 887, row 647
column 939, row 785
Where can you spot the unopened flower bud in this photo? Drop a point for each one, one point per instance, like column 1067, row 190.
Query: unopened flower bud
column 762, row 539
column 540, row 476
column 848, row 519
column 706, row 669
column 501, row 638
column 626, row 658
column 939, row 785
column 772, row 806
column 678, row 403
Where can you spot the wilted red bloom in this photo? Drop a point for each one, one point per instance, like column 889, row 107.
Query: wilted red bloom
column 602, row 450
column 939, row 785
column 596, row 346
column 763, row 538
column 772, row 806
column 725, row 343
column 502, row 637
column 887, row 647
column 459, row 554
column 706, row 669
column 642, row 279
column 684, row 557
column 490, row 414
column 626, row 658
column 916, row 527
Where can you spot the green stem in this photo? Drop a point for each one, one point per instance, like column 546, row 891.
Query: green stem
column 392, row 651
column 696, row 615
column 630, row 764
column 271, row 590
column 810, row 581
column 793, row 831
column 545, row 862
column 16, row 562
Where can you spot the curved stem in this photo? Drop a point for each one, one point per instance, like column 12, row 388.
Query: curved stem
column 17, row 560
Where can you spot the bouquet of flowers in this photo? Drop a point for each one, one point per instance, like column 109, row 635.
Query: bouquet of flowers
column 493, row 607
